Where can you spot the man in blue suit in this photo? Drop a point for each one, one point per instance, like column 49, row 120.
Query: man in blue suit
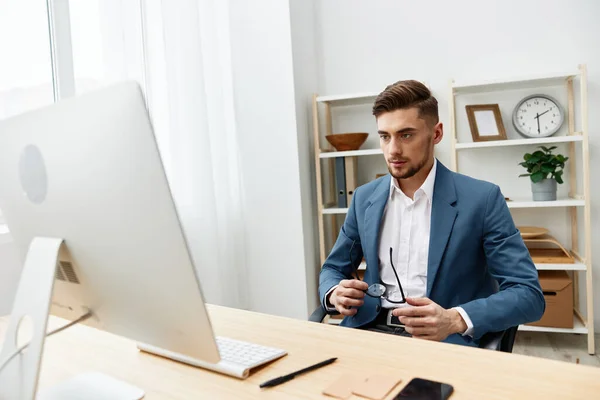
column 444, row 259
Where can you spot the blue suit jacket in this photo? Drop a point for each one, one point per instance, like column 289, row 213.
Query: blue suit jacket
column 477, row 258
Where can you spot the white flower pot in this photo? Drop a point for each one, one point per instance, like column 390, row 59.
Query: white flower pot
column 545, row 190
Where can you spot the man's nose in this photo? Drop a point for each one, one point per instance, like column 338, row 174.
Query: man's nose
column 396, row 146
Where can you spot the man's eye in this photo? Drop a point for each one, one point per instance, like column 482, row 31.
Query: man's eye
column 407, row 136
column 384, row 137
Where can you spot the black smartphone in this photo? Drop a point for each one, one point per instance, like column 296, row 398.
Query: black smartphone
column 424, row 389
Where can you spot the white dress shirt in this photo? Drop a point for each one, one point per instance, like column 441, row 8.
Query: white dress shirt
column 405, row 227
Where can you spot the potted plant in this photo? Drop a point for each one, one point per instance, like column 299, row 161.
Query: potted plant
column 545, row 171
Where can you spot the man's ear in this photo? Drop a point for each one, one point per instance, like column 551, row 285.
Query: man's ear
column 438, row 132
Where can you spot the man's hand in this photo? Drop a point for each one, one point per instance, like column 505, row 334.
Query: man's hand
column 428, row 320
column 349, row 293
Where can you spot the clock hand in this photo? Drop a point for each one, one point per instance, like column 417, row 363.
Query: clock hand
column 537, row 116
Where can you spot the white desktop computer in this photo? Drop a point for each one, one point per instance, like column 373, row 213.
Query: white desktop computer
column 86, row 199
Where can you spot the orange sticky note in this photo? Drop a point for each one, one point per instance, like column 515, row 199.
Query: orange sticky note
column 342, row 387
column 375, row 387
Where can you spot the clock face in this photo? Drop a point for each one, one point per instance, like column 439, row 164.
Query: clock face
column 538, row 116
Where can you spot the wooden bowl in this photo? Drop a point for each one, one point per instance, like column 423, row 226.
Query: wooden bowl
column 347, row 141
column 532, row 231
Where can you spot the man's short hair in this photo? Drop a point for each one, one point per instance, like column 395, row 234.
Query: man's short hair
column 407, row 94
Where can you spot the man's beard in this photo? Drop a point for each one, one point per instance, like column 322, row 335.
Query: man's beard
column 411, row 171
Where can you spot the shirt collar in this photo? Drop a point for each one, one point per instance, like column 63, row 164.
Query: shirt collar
column 426, row 187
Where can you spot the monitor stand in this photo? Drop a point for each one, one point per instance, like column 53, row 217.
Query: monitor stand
column 19, row 378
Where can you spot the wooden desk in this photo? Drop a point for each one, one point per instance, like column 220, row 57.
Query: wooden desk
column 474, row 373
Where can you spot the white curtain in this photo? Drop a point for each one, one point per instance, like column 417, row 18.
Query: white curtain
column 190, row 97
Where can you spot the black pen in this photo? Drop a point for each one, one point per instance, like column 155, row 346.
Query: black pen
column 288, row 377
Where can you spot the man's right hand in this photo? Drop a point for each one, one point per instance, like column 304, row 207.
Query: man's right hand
column 348, row 294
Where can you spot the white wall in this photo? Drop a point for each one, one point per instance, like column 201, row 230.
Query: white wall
column 304, row 52
column 10, row 271
column 363, row 46
column 265, row 103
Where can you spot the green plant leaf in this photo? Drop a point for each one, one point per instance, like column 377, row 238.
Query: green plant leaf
column 524, row 175
column 534, row 159
column 537, row 177
column 527, row 156
column 536, row 169
column 558, row 177
column 547, row 168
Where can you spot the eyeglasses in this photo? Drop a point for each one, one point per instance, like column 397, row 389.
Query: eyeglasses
column 379, row 290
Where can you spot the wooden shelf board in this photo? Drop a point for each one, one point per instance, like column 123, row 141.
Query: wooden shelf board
column 352, row 153
column 348, row 99
column 520, row 142
column 565, row 267
column 521, row 203
column 517, row 82
column 335, row 210
column 578, row 327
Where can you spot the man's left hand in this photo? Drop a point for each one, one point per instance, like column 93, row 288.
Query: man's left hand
column 428, row 320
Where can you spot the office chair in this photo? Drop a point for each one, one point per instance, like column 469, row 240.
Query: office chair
column 499, row 341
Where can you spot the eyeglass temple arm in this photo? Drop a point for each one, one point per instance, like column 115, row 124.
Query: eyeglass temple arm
column 396, row 274
column 355, row 270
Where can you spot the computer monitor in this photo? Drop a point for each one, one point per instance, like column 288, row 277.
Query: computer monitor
column 88, row 170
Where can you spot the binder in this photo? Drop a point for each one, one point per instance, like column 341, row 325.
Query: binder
column 340, row 182
column 351, row 177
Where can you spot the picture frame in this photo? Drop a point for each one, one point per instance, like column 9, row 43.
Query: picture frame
column 485, row 122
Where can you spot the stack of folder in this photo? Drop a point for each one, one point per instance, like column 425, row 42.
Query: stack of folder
column 345, row 180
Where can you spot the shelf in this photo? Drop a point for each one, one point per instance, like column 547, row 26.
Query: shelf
column 348, row 99
column 335, row 210
column 522, row 82
column 560, row 267
column 578, row 327
column 543, row 204
column 352, row 153
column 511, row 204
column 577, row 137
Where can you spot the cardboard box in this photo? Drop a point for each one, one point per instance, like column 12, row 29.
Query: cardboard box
column 558, row 293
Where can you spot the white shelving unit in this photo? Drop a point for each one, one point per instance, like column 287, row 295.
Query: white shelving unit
column 327, row 153
column 578, row 327
column 347, row 99
column 575, row 201
column 576, row 137
column 353, row 153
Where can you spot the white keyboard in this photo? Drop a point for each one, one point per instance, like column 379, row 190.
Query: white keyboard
column 247, row 354
column 237, row 357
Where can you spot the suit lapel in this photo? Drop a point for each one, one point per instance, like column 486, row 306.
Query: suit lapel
column 372, row 222
column 443, row 215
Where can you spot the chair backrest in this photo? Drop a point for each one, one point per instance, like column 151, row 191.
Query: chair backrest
column 499, row 341
column 508, row 339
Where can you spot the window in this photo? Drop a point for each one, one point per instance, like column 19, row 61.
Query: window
column 26, row 67
column 106, row 40
column 76, row 46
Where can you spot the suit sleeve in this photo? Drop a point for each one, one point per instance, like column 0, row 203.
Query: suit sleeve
column 337, row 266
column 519, row 299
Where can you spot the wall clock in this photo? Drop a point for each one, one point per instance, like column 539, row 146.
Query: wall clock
column 538, row 116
